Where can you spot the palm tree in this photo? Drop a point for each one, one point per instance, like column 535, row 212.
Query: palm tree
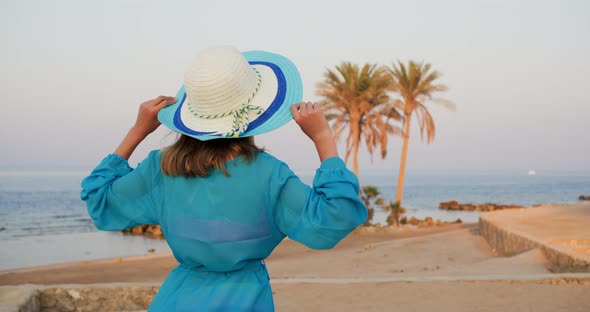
column 369, row 194
column 356, row 98
column 395, row 213
column 415, row 84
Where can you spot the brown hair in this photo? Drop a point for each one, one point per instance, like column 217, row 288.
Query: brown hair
column 190, row 157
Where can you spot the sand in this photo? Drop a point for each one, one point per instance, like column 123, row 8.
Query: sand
column 432, row 296
column 448, row 268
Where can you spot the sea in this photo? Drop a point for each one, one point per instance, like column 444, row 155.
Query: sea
column 43, row 221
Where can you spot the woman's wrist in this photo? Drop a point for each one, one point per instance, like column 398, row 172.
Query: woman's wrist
column 326, row 147
column 138, row 132
column 146, row 123
column 130, row 142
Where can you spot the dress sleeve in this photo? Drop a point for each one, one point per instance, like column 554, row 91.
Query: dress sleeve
column 118, row 197
column 320, row 217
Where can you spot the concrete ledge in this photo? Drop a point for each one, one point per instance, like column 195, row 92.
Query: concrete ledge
column 93, row 297
column 560, row 231
column 20, row 299
column 560, row 261
column 503, row 241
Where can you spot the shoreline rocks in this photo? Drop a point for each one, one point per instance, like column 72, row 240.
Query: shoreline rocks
column 582, row 197
column 426, row 222
column 406, row 225
column 152, row 231
column 456, row 206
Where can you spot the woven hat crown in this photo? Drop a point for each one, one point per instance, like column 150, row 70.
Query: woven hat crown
column 219, row 80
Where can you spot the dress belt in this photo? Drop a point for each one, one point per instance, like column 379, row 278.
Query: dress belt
column 250, row 266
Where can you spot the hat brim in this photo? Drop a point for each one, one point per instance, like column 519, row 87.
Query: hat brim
column 278, row 113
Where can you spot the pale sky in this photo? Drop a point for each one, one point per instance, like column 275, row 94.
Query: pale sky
column 72, row 73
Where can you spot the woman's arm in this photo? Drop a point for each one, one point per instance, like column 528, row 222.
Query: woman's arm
column 321, row 216
column 117, row 196
column 146, row 123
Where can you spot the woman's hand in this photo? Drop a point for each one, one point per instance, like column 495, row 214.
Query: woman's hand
column 147, row 121
column 311, row 120
column 313, row 123
column 147, row 117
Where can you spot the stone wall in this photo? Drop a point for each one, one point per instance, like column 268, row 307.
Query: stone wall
column 507, row 243
column 503, row 242
column 80, row 298
column 97, row 299
column 560, row 262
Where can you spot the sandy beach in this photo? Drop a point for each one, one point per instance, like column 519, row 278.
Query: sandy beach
column 448, row 268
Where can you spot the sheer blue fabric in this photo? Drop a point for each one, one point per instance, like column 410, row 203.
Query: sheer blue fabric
column 220, row 228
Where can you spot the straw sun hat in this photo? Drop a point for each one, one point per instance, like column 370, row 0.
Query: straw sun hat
column 228, row 94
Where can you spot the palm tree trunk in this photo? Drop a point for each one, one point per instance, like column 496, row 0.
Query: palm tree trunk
column 356, row 137
column 402, row 164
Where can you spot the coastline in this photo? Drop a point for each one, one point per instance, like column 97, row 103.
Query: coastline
column 156, row 266
column 406, row 270
column 43, row 250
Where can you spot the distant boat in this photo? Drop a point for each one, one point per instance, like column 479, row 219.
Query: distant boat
column 532, row 172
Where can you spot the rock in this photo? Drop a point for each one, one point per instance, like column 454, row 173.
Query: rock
column 454, row 205
column 413, row 221
column 582, row 197
column 151, row 250
column 486, row 207
column 74, row 293
column 154, row 230
column 403, row 221
column 469, row 207
column 137, row 230
column 2, row 228
column 448, row 205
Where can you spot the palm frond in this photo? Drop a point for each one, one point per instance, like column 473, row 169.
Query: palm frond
column 358, row 95
column 415, row 83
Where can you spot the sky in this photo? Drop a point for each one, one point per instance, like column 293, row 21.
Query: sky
column 72, row 74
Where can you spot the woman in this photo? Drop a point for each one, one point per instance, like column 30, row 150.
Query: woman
column 223, row 203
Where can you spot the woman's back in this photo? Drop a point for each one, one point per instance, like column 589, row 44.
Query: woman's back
column 225, row 225
column 223, row 218
column 221, row 222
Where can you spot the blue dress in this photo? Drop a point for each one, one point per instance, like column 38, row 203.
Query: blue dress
column 220, row 228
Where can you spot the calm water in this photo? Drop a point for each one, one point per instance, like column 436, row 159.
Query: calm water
column 39, row 212
column 34, row 205
column 424, row 191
